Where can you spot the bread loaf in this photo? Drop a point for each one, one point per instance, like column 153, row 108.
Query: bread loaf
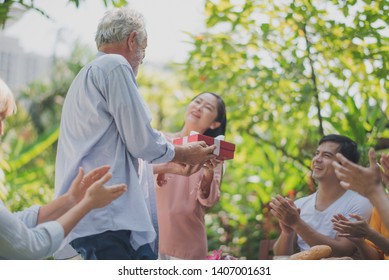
column 314, row 253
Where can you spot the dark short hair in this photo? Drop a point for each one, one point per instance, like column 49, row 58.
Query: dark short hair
column 347, row 147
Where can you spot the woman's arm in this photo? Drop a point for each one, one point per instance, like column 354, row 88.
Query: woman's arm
column 96, row 196
column 208, row 177
column 367, row 181
column 356, row 231
column 76, row 192
column 17, row 241
column 173, row 168
column 209, row 184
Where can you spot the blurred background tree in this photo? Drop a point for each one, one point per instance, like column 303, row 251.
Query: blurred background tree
column 29, row 148
column 289, row 72
column 9, row 6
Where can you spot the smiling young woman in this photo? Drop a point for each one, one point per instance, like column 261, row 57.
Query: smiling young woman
column 185, row 192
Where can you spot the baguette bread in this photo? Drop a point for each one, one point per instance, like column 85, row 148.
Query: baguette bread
column 314, row 253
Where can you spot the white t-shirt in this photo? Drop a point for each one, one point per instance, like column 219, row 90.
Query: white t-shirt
column 349, row 203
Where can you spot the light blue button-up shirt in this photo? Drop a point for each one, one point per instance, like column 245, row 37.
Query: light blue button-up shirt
column 20, row 238
column 106, row 121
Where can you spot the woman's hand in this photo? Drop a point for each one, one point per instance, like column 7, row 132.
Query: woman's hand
column 82, row 182
column 208, row 172
column 98, row 195
column 174, row 168
column 209, row 166
column 355, row 231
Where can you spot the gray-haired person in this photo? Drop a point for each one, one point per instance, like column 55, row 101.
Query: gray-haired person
column 106, row 121
column 36, row 232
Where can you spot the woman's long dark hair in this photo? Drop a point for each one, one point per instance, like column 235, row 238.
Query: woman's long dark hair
column 221, row 116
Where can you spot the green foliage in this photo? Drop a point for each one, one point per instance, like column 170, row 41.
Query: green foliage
column 28, row 164
column 29, row 147
column 165, row 97
column 45, row 99
column 8, row 6
column 289, row 72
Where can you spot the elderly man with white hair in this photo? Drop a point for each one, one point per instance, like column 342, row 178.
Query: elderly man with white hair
column 106, row 121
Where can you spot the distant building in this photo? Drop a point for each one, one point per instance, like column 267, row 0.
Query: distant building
column 18, row 68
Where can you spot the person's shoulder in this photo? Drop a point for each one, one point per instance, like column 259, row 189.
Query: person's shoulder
column 357, row 199
column 355, row 196
column 109, row 63
column 110, row 59
column 302, row 200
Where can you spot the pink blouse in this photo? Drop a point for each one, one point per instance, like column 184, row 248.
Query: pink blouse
column 181, row 209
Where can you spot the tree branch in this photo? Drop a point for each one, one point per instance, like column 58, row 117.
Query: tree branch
column 281, row 149
column 313, row 78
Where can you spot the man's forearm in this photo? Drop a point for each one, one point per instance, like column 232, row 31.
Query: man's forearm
column 284, row 244
column 180, row 154
column 340, row 247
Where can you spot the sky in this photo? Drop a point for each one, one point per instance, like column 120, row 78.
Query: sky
column 166, row 22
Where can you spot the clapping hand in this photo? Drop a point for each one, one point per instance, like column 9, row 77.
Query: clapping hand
column 363, row 180
column 353, row 230
column 82, row 182
column 285, row 211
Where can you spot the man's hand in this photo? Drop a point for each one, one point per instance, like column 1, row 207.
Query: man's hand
column 285, row 211
column 364, row 180
column 194, row 153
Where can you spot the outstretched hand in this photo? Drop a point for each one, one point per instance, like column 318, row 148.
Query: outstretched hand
column 98, row 195
column 364, row 180
column 82, row 182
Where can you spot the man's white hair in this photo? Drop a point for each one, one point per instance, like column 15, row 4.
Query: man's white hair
column 117, row 24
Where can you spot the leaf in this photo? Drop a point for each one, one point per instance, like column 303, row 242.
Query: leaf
column 30, row 152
